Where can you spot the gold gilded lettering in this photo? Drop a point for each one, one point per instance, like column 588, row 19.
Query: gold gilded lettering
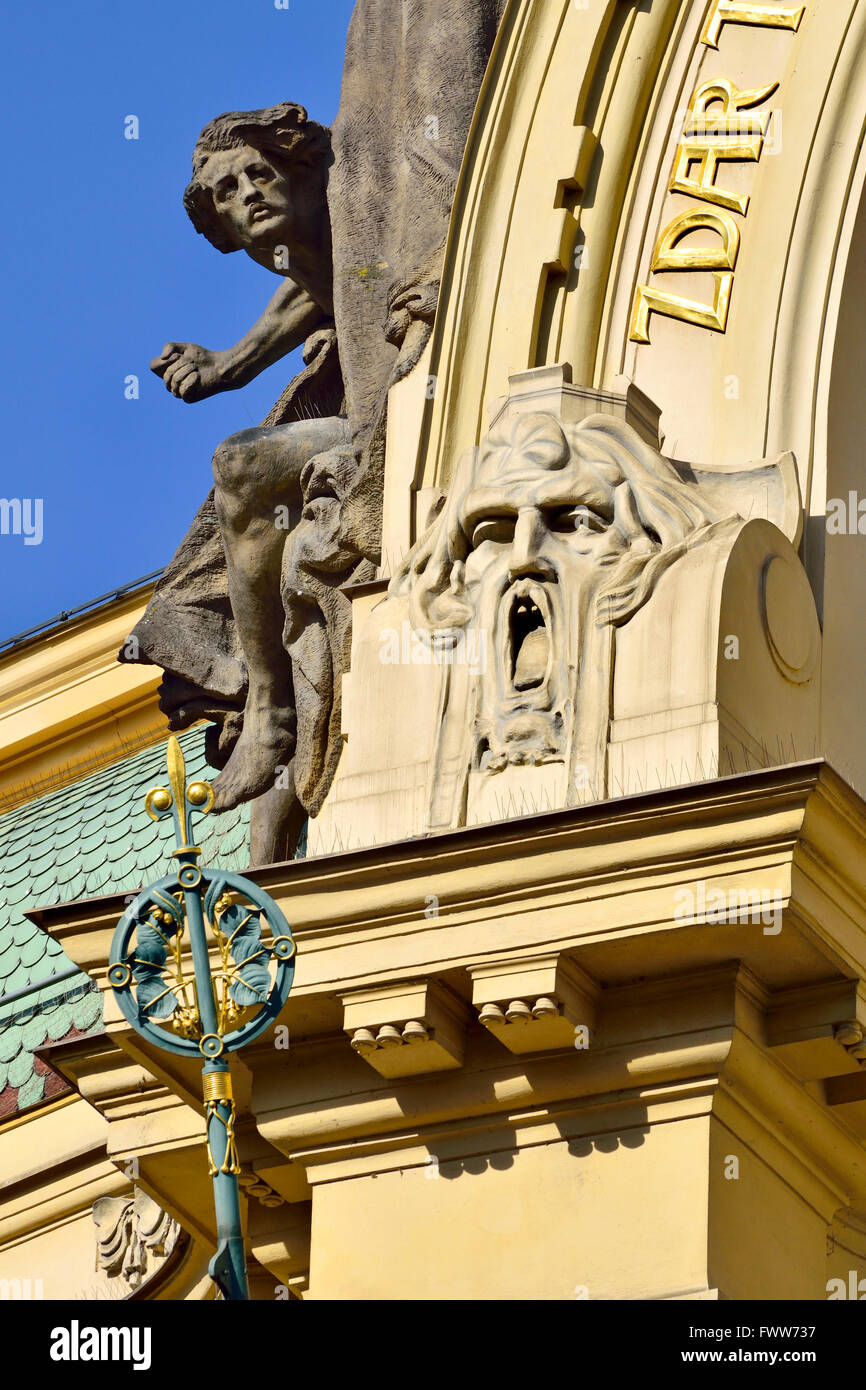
column 741, row 12
column 700, row 121
column 671, row 256
column 716, row 146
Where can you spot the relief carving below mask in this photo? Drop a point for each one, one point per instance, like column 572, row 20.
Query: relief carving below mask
column 554, row 535
column 134, row 1239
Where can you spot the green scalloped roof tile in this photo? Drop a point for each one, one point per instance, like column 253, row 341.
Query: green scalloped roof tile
column 236, row 836
column 43, row 853
column 26, row 821
column 15, row 867
column 69, row 873
column 140, row 782
column 92, row 843
column 31, row 1092
column 60, row 1021
column 119, row 813
column 18, row 893
column 98, row 881
column 11, row 877
column 87, row 1011
column 12, row 861
column 71, row 835
column 19, row 979
column 9, row 958
column 51, row 994
column 34, row 949
column 66, row 854
column 153, row 855
column 34, row 1031
column 143, row 838
column 125, row 870
column 43, row 885
column 24, row 816
column 20, row 1068
column 89, row 838
column 91, row 811
column 20, row 932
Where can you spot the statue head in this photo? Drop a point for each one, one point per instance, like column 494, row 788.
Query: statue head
column 553, row 535
column 259, row 181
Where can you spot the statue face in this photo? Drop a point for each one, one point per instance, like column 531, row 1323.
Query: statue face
column 553, row 535
column 540, row 538
column 259, row 206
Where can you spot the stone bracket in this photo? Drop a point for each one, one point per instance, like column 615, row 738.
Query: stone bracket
column 406, row 1029
column 820, row 1030
column 535, row 1004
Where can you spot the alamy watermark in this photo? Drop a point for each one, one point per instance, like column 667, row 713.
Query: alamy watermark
column 77, row 1343
column 459, row 647
column 22, row 516
column 854, row 1289
column 22, row 1289
column 846, row 517
column 715, row 906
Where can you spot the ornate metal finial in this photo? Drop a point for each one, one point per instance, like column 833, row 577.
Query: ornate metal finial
column 160, row 800
column 201, row 964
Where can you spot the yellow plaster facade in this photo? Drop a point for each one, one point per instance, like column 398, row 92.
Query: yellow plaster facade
column 67, row 705
column 613, row 1050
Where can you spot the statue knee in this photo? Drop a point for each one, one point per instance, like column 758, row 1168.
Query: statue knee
column 231, row 464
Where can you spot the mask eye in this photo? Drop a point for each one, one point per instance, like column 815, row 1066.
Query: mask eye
column 580, row 521
column 499, row 529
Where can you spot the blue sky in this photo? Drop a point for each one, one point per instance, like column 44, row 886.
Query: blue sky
column 102, row 267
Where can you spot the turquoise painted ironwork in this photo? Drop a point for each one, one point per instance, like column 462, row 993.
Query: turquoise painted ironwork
column 207, row 1012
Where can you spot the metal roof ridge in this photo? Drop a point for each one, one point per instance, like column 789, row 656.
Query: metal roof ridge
column 66, row 615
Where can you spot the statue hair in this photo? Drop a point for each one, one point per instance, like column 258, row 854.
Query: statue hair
column 661, row 515
column 284, row 134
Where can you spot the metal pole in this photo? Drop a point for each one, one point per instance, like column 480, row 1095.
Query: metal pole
column 208, row 1030
column 228, row 1267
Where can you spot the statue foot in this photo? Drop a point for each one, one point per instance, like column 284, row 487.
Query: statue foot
column 260, row 757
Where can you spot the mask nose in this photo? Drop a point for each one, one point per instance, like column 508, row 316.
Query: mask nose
column 526, row 560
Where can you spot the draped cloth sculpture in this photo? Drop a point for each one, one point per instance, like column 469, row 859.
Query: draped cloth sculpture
column 366, row 286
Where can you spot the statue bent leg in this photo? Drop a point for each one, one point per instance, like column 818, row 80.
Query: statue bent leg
column 258, row 500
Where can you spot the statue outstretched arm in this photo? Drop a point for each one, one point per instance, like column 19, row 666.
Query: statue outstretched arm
column 192, row 373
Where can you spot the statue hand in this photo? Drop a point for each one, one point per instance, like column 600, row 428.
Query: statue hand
column 191, row 372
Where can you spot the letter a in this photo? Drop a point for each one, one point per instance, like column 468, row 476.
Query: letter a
column 60, row 1344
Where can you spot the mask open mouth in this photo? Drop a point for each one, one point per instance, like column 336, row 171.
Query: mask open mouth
column 530, row 644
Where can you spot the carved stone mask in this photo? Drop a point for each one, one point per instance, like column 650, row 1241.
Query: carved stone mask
column 542, row 529
column 552, row 535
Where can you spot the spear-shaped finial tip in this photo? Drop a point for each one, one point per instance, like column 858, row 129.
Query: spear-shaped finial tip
column 198, row 794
